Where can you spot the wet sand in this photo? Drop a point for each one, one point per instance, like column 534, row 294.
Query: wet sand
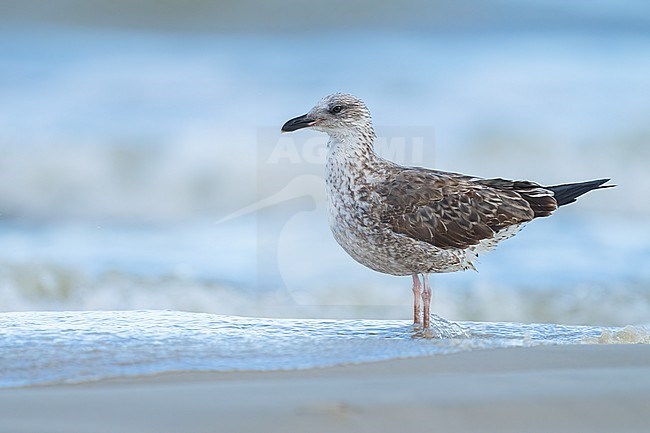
column 582, row 388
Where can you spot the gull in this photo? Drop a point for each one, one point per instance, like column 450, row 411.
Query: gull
column 412, row 220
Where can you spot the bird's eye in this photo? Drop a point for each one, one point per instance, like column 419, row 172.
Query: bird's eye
column 336, row 109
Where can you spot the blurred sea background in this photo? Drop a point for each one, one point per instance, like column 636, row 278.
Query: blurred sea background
column 142, row 170
column 132, row 133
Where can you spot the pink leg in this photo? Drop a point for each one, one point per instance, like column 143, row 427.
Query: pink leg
column 426, row 300
column 417, row 293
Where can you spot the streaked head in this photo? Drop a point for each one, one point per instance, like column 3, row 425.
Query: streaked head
column 335, row 114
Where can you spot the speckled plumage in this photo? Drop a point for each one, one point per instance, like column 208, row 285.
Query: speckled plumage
column 411, row 220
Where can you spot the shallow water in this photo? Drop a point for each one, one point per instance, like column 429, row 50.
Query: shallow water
column 71, row 347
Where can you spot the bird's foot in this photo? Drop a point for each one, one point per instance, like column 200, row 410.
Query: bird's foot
column 440, row 328
column 424, row 333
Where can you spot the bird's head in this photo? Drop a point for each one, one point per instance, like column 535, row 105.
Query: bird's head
column 339, row 114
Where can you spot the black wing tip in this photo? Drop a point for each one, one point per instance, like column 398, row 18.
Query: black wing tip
column 569, row 192
column 601, row 182
column 595, row 183
column 601, row 186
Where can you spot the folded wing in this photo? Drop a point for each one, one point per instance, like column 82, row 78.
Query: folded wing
column 449, row 210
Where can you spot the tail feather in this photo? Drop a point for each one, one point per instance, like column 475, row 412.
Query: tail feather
column 569, row 192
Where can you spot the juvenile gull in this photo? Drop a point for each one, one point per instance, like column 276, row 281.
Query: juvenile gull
column 412, row 220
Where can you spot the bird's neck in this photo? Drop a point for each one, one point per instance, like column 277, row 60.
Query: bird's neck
column 352, row 148
column 352, row 161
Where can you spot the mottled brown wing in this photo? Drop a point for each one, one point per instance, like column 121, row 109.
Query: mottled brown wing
column 540, row 199
column 449, row 210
